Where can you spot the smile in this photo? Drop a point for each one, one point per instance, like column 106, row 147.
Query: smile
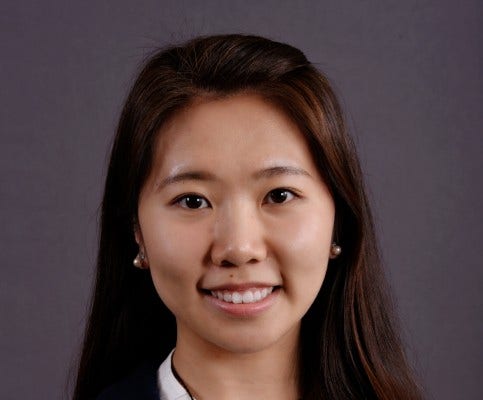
column 247, row 296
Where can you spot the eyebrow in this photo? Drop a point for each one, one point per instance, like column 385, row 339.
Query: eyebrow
column 206, row 176
column 186, row 176
column 280, row 170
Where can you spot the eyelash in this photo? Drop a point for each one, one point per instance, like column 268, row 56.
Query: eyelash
column 185, row 197
column 178, row 201
column 282, row 190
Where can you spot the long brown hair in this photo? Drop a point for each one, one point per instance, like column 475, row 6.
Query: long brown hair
column 349, row 346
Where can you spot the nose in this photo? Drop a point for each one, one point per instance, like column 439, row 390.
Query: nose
column 238, row 237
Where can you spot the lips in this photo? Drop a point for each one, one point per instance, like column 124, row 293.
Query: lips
column 251, row 295
column 247, row 300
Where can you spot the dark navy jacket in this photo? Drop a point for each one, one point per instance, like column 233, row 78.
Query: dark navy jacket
column 140, row 385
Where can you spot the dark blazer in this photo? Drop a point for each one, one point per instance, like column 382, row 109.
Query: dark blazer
column 140, row 385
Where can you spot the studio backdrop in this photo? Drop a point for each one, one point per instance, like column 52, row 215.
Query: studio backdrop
column 409, row 77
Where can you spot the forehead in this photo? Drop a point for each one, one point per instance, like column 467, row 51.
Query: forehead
column 243, row 132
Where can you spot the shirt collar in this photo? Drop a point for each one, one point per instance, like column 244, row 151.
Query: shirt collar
column 169, row 386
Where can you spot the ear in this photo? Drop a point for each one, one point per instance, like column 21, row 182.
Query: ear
column 138, row 236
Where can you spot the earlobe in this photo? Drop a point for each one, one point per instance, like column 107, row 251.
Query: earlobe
column 138, row 237
column 140, row 261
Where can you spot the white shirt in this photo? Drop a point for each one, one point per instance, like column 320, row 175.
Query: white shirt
column 169, row 386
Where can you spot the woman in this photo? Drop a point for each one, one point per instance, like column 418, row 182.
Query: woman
column 235, row 188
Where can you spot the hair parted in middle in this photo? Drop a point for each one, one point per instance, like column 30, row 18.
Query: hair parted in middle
column 349, row 346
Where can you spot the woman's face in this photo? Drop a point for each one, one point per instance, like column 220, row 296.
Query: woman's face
column 236, row 224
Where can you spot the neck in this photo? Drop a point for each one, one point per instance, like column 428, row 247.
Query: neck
column 210, row 372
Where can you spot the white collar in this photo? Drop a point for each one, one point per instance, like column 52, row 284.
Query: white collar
column 169, row 386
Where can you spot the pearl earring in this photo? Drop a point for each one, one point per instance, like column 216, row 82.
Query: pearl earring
column 335, row 250
column 139, row 262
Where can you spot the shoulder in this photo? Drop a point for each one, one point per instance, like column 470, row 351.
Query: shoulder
column 140, row 385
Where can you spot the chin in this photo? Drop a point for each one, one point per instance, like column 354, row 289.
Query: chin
column 244, row 342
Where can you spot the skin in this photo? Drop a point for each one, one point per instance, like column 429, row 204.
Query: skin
column 246, row 230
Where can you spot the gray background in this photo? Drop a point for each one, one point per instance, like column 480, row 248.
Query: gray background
column 410, row 78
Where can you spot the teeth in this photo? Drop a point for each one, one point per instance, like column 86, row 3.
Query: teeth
column 236, row 298
column 248, row 296
column 227, row 297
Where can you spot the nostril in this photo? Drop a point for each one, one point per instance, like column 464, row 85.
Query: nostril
column 226, row 263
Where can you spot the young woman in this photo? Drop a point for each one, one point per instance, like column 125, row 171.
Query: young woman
column 236, row 190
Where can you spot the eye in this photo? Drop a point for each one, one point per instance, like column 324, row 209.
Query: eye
column 192, row 201
column 278, row 196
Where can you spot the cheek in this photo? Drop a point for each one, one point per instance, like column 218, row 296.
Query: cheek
column 175, row 283
column 172, row 243
column 175, row 258
column 306, row 235
column 303, row 253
